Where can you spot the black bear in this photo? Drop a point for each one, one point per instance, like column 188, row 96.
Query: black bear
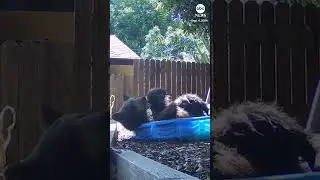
column 132, row 113
column 267, row 137
column 186, row 105
column 158, row 100
column 157, row 105
column 193, row 104
column 74, row 146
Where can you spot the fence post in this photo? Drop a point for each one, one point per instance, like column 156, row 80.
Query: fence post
column 82, row 55
column 100, row 55
column 220, row 53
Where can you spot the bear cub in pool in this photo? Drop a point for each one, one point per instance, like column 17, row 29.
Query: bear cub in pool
column 74, row 146
column 158, row 105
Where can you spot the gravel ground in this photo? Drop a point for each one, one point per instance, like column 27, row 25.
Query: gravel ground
column 192, row 158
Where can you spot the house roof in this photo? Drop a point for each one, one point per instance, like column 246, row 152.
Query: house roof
column 118, row 50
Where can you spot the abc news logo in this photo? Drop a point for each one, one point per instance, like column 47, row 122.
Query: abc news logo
column 200, row 8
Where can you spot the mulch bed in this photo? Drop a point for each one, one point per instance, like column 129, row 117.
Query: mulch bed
column 192, row 158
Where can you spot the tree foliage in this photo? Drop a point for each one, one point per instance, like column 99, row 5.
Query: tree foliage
column 199, row 32
column 176, row 43
column 161, row 28
column 187, row 11
column 131, row 20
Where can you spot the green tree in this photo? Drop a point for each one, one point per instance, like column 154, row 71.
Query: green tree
column 131, row 20
column 176, row 43
column 187, row 11
column 158, row 29
column 200, row 31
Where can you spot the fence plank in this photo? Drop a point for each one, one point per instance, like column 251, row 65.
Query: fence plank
column 252, row 51
column 174, row 79
column 30, row 56
column 146, row 76
column 188, row 78
column 298, row 62
column 194, row 78
column 317, row 29
column 82, row 58
column 157, row 73
column 136, row 80
column 141, row 77
column 283, row 56
column 163, row 83
column 100, row 54
column 268, row 52
column 219, row 41
column 179, row 78
column 168, row 71
column 208, row 78
column 58, row 76
column 203, row 81
column 153, row 73
column 312, row 60
column 2, row 55
column 9, row 79
column 128, row 84
column 199, row 79
column 183, row 77
column 207, row 81
column 237, row 71
column 117, row 89
column 50, row 73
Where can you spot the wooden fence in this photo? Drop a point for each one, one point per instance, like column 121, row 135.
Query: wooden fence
column 175, row 76
column 268, row 52
column 35, row 73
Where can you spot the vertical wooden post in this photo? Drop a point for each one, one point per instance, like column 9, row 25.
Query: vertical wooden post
column 298, row 65
column 252, row 51
column 220, row 53
column 236, row 52
column 100, row 49
column 283, row 66
column 267, row 55
column 82, row 61
column 91, row 53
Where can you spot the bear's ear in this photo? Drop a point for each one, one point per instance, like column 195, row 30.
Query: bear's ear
column 125, row 97
column 117, row 116
column 50, row 115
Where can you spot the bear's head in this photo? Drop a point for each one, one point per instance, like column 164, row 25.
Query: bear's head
column 133, row 112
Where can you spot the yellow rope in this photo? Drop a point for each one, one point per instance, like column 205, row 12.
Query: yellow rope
column 4, row 143
column 112, row 100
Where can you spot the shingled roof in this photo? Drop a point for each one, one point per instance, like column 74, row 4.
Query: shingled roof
column 118, row 50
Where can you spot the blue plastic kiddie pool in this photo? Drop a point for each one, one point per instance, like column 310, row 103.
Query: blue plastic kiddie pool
column 195, row 128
